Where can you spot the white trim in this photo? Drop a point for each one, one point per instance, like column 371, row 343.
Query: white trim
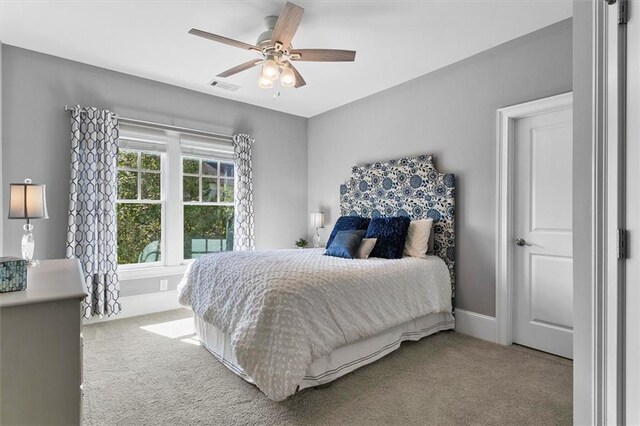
column 593, row 381
column 142, row 304
column 613, row 362
column 128, row 274
column 172, row 230
column 631, row 314
column 476, row 325
column 593, row 365
column 506, row 118
column 173, row 227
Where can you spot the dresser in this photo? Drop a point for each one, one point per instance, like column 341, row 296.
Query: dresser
column 41, row 347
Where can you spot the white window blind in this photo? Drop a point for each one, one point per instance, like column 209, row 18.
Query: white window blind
column 142, row 138
column 203, row 147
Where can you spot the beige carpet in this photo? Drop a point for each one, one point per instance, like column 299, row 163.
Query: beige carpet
column 150, row 370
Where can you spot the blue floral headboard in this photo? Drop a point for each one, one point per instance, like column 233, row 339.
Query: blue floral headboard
column 406, row 187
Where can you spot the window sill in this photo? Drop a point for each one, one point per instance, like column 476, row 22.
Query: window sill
column 128, row 274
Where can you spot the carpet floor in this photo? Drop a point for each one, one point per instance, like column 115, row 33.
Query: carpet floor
column 150, row 370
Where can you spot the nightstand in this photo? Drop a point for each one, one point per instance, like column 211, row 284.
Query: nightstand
column 41, row 347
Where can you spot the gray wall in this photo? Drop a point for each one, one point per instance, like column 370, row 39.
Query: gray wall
column 36, row 141
column 452, row 114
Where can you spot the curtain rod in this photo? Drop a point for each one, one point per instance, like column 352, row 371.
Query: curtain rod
column 165, row 126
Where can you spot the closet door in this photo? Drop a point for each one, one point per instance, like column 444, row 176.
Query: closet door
column 543, row 243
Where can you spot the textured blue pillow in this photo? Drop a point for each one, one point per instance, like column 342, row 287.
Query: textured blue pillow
column 345, row 244
column 391, row 233
column 348, row 223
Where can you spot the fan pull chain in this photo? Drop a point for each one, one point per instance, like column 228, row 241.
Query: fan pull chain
column 276, row 90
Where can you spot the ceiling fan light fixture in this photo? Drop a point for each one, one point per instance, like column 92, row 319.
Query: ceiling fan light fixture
column 288, row 77
column 265, row 83
column 270, row 69
column 275, row 48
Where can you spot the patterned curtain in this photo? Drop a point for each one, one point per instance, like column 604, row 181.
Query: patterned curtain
column 243, row 237
column 91, row 235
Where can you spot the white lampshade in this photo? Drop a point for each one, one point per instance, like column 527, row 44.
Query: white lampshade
column 265, row 83
column 317, row 220
column 270, row 70
column 27, row 201
column 288, row 77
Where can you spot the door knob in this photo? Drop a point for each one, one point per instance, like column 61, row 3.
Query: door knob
column 521, row 242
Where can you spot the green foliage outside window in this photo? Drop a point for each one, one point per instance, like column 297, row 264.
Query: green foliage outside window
column 190, row 165
column 128, row 159
column 210, row 190
column 190, row 188
column 127, row 185
column 226, row 190
column 139, row 232
column 207, row 228
column 149, row 161
column 139, row 224
column 149, row 186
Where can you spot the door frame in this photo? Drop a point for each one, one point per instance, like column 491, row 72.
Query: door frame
column 506, row 118
column 598, row 365
column 631, row 347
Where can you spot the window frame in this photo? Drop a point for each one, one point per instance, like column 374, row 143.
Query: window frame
column 200, row 175
column 172, row 204
column 140, row 200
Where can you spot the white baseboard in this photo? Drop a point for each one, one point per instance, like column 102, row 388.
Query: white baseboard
column 142, row 304
column 476, row 325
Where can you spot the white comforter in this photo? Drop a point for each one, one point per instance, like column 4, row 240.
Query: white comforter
column 285, row 308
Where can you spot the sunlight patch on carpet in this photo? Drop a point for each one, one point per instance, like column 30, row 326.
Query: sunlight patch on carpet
column 191, row 340
column 173, row 329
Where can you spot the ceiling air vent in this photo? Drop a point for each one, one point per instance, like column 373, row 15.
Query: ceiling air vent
column 224, row 85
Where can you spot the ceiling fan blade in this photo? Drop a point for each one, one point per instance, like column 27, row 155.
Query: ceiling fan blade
column 324, row 55
column 299, row 80
column 287, row 24
column 240, row 68
column 224, row 40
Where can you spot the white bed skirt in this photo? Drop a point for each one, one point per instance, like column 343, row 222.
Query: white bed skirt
column 342, row 360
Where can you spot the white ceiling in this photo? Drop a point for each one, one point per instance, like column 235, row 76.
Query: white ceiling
column 396, row 40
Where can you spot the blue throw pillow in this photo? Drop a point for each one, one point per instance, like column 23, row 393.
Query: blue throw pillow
column 348, row 223
column 345, row 244
column 391, row 234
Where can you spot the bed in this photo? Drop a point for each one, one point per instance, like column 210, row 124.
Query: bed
column 286, row 320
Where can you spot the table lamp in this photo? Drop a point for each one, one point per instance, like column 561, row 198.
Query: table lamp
column 27, row 201
column 317, row 221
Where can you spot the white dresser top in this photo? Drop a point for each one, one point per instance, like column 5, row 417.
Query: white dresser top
column 51, row 280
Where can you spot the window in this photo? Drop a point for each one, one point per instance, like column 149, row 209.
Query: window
column 175, row 198
column 139, row 207
column 207, row 194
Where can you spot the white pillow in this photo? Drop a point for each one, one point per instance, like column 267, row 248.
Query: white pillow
column 366, row 246
column 417, row 242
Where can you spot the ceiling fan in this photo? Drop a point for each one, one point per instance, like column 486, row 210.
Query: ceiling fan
column 276, row 52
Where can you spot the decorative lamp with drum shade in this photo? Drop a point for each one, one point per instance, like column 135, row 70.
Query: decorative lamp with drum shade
column 317, row 221
column 28, row 201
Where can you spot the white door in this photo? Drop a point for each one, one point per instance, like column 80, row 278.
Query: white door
column 542, row 246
